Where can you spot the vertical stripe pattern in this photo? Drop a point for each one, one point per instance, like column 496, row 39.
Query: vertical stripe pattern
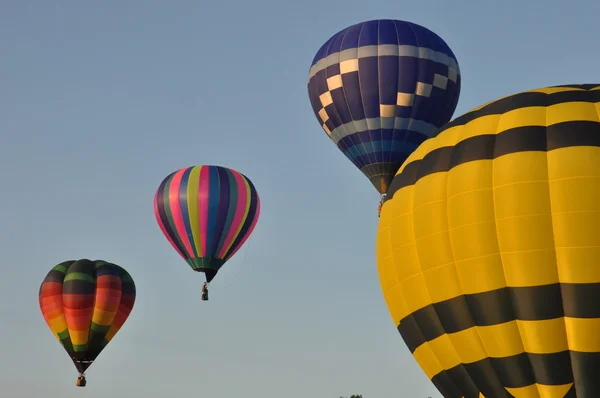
column 488, row 248
column 85, row 303
column 380, row 88
column 206, row 213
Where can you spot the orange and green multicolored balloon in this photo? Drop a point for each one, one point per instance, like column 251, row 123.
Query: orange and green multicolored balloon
column 85, row 303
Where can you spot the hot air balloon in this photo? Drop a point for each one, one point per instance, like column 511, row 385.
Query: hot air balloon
column 380, row 88
column 85, row 303
column 206, row 213
column 488, row 248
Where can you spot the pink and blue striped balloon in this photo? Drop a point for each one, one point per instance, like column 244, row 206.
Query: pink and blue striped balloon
column 206, row 213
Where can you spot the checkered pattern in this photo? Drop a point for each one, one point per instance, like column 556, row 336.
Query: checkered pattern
column 380, row 88
column 403, row 99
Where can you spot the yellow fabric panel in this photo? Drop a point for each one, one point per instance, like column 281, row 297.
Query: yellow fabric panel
column 525, row 233
column 530, row 116
column 403, row 250
column 481, row 126
column 384, row 258
column 431, row 188
column 402, row 203
column 521, row 199
column 79, row 337
column 467, row 177
column 568, row 111
column 540, row 391
column 445, row 352
column 427, row 360
column 386, row 268
column 406, row 261
column 577, row 229
column 58, row 324
column 448, row 137
column 523, row 219
column 443, row 283
column 573, row 162
column 575, row 194
column 396, row 304
column 470, row 207
column 553, row 391
column 481, row 274
column 415, row 292
column 516, row 168
column 578, row 264
column 468, row 345
column 544, row 337
column 502, row 340
column 540, row 269
column 430, row 222
column 524, row 392
column 402, row 237
column 583, row 334
column 103, row 318
column 472, row 227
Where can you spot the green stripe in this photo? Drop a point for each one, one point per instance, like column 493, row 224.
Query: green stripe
column 62, row 267
column 99, row 328
column 79, row 276
column 80, row 347
column 64, row 334
column 125, row 277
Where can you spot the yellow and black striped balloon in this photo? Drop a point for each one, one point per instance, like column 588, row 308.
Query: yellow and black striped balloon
column 488, row 248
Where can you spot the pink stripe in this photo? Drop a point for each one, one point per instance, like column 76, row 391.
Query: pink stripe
column 249, row 232
column 240, row 210
column 203, row 197
column 162, row 226
column 176, row 211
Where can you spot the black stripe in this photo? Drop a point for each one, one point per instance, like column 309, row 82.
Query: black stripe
column 79, row 286
column 585, row 369
column 490, row 376
column 491, row 146
column 55, row 276
column 581, row 300
column 572, row 393
column 524, row 100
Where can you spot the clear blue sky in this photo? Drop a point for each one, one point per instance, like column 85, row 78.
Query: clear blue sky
column 99, row 102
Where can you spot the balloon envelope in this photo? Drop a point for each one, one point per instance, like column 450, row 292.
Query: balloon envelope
column 206, row 213
column 488, row 248
column 380, row 88
column 85, row 303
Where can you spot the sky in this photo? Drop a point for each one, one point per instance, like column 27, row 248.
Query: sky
column 99, row 101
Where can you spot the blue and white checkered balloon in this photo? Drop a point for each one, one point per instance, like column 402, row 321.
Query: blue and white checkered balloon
column 379, row 89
